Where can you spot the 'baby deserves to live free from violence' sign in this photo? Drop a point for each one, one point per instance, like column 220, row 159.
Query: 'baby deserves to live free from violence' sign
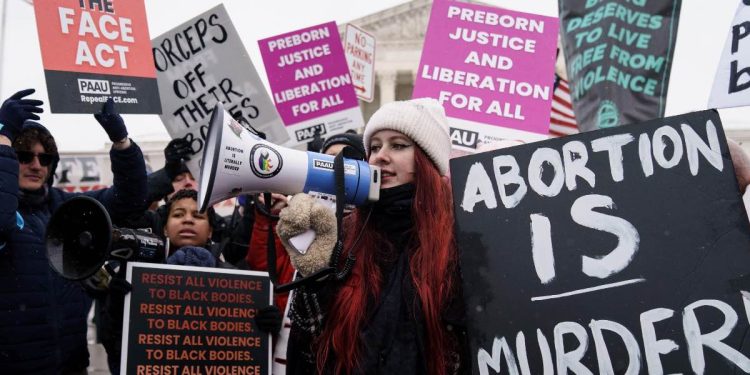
column 492, row 69
column 310, row 82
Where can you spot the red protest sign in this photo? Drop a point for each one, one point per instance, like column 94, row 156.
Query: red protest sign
column 102, row 49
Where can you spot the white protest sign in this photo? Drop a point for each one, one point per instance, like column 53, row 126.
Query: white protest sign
column 200, row 63
column 732, row 80
column 359, row 47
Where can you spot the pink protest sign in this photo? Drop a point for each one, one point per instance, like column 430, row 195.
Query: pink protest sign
column 492, row 69
column 310, row 82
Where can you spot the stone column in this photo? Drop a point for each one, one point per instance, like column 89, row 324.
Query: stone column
column 387, row 81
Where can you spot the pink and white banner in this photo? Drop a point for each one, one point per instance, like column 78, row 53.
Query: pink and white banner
column 493, row 71
column 310, row 82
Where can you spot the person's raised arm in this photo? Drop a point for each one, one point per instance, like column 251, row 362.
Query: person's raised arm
column 127, row 196
column 114, row 125
column 13, row 113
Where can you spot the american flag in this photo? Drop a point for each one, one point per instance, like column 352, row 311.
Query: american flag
column 562, row 118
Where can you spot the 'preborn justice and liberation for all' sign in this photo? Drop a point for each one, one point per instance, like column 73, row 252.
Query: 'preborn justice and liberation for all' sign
column 732, row 80
column 310, row 82
column 620, row 251
column 202, row 62
column 359, row 47
column 492, row 69
column 194, row 320
column 619, row 55
column 94, row 50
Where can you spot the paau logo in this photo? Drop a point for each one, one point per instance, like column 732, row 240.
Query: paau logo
column 265, row 161
column 310, row 132
column 464, row 138
column 323, row 164
column 93, row 86
column 328, row 166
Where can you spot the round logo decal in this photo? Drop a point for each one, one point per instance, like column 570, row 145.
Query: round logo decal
column 265, row 161
column 608, row 115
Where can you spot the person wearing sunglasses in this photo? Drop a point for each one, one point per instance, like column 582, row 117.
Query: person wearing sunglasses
column 43, row 316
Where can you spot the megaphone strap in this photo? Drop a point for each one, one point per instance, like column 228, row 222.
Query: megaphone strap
column 271, row 248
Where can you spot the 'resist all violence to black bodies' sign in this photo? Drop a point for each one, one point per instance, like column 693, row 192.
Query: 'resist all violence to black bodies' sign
column 621, row 251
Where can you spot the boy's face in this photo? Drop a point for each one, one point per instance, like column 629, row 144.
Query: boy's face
column 32, row 175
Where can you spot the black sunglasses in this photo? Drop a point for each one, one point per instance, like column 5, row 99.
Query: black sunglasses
column 26, row 157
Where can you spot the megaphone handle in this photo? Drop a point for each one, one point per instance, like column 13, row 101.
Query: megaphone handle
column 319, row 276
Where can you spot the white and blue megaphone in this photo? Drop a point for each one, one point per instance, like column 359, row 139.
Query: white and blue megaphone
column 236, row 161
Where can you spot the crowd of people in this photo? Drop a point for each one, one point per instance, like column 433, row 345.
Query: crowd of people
column 397, row 309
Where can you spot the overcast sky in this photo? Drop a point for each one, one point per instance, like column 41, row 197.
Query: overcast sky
column 702, row 30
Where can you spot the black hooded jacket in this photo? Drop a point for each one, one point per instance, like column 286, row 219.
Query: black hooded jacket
column 43, row 316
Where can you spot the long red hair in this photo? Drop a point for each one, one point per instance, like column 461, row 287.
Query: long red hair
column 432, row 269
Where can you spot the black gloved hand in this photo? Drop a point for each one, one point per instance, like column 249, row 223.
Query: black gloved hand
column 15, row 110
column 269, row 319
column 112, row 122
column 120, row 286
column 177, row 151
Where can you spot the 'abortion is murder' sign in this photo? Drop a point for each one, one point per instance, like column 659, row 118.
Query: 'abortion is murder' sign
column 310, row 82
column 492, row 69
column 621, row 251
column 94, row 50
column 200, row 63
column 618, row 54
column 194, row 320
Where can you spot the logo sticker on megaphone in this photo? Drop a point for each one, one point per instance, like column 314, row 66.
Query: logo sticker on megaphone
column 265, row 161
column 236, row 161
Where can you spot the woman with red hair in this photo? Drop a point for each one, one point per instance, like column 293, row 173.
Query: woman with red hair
column 400, row 310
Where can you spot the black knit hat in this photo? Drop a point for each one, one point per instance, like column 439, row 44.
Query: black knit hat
column 349, row 139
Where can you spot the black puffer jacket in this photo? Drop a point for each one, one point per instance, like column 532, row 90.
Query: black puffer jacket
column 43, row 316
column 394, row 335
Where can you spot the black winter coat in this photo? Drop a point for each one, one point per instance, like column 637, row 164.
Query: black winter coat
column 394, row 337
column 43, row 316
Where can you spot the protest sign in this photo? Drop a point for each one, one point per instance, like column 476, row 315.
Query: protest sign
column 197, row 320
column 202, row 62
column 359, row 47
column 732, row 80
column 492, row 69
column 94, row 50
column 619, row 55
column 620, row 251
column 310, row 82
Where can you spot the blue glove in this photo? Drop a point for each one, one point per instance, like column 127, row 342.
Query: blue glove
column 112, row 122
column 192, row 256
column 15, row 110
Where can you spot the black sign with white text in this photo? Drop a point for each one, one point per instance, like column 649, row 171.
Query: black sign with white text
column 194, row 320
column 620, row 251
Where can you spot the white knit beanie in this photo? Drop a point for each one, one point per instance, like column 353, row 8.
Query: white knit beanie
column 423, row 120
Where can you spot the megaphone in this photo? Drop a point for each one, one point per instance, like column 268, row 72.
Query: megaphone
column 80, row 238
column 236, row 161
